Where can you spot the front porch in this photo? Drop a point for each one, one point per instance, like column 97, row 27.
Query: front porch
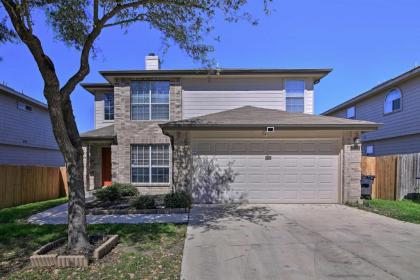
column 97, row 165
column 97, row 157
column 108, row 160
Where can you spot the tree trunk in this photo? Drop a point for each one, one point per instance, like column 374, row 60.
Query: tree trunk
column 68, row 140
column 76, row 231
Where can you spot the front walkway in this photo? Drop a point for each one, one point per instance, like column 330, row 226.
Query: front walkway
column 58, row 215
column 298, row 242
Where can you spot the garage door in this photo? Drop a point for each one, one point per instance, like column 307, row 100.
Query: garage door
column 281, row 171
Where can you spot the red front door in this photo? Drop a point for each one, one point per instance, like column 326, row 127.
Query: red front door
column 106, row 166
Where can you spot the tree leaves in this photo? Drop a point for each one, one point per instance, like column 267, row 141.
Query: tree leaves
column 186, row 23
column 6, row 34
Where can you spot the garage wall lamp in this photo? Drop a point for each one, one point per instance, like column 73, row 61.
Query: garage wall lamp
column 356, row 143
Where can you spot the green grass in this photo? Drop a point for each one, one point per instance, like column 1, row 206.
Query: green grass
column 145, row 251
column 404, row 210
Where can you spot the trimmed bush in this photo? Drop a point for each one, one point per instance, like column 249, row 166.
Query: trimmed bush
column 110, row 193
column 180, row 199
column 144, row 202
column 126, row 189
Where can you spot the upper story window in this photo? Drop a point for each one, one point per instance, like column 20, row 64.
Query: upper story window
column 351, row 112
column 392, row 101
column 24, row 107
column 150, row 100
column 295, row 96
column 108, row 106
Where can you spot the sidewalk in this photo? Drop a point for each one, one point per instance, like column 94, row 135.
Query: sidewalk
column 58, row 215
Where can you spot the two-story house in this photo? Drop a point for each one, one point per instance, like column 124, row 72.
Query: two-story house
column 26, row 136
column 223, row 134
column 396, row 105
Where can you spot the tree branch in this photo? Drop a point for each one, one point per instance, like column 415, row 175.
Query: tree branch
column 95, row 11
column 121, row 22
column 83, row 71
column 44, row 63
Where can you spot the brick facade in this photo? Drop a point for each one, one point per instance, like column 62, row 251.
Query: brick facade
column 138, row 132
column 92, row 161
column 352, row 171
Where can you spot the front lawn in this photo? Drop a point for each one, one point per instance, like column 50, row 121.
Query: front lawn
column 404, row 210
column 145, row 251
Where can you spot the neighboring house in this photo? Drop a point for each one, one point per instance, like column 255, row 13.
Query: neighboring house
column 26, row 136
column 396, row 105
column 246, row 135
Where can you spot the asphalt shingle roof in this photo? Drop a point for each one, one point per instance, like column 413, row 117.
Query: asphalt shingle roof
column 254, row 117
column 106, row 132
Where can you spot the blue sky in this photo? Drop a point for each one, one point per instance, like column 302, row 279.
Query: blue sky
column 365, row 41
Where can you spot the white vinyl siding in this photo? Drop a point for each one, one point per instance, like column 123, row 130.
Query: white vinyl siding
column 203, row 96
column 271, row 171
column 100, row 120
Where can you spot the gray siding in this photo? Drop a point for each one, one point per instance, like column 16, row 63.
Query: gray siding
column 23, row 128
column 99, row 111
column 405, row 122
column 26, row 138
column 19, row 155
column 398, row 145
column 201, row 96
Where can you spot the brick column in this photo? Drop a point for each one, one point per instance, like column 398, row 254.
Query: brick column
column 351, row 172
column 182, row 163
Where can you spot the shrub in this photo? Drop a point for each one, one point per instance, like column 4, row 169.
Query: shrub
column 180, row 199
column 110, row 193
column 144, row 202
column 126, row 189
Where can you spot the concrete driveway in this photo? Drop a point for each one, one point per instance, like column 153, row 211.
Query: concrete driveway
column 298, row 242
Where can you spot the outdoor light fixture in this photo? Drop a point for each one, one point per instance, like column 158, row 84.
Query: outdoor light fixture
column 356, row 143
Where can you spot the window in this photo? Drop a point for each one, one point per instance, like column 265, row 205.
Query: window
column 150, row 163
column 351, row 112
column 392, row 101
column 370, row 150
column 295, row 91
column 150, row 100
column 24, row 107
column 108, row 106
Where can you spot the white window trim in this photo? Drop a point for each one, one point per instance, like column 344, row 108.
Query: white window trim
column 150, row 167
column 354, row 112
column 109, row 120
column 23, row 106
column 386, row 97
column 285, row 93
column 373, row 149
column 150, row 103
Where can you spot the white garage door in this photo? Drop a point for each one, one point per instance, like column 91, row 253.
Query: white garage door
column 266, row 171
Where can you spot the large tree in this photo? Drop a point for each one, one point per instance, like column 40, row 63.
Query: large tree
column 78, row 23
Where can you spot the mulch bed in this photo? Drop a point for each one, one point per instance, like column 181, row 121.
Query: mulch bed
column 123, row 207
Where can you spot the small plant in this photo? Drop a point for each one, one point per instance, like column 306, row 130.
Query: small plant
column 144, row 202
column 105, row 194
column 126, row 189
column 180, row 199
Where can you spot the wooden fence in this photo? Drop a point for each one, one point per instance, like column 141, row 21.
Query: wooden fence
column 395, row 175
column 26, row 184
